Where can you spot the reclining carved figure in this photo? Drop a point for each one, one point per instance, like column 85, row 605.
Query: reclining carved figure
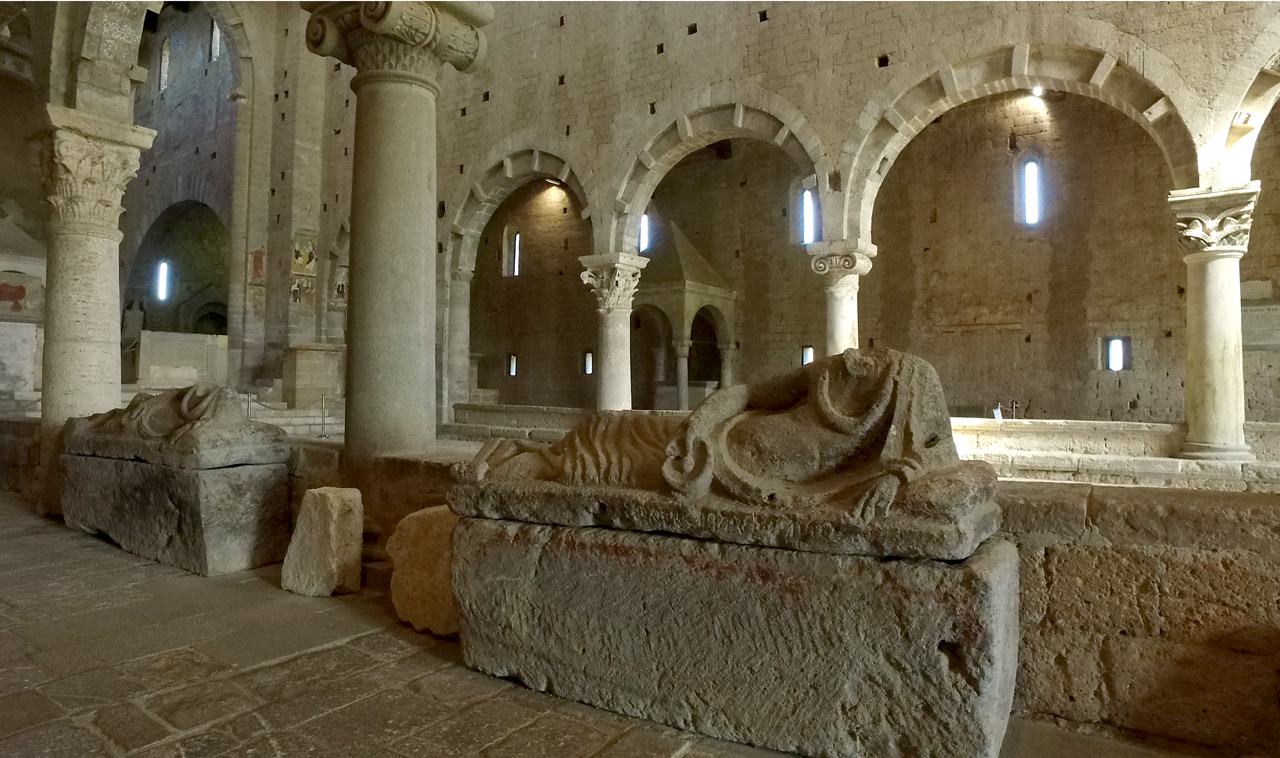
column 864, row 432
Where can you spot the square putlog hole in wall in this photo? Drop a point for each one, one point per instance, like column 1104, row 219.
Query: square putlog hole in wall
column 692, row 29
column 561, row 80
column 484, row 98
column 882, row 61
column 764, row 16
column 661, row 48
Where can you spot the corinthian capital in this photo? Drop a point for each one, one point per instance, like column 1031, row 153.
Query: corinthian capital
column 86, row 163
column 399, row 35
column 1215, row 219
column 613, row 279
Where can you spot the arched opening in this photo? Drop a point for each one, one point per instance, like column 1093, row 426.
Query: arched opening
column 190, row 244
column 704, row 350
column 652, row 359
column 1260, row 280
column 1010, row 311
column 725, row 219
column 528, row 300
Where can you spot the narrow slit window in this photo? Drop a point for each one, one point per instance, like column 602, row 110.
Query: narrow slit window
column 162, row 281
column 1118, row 356
column 644, row 232
column 511, row 252
column 1031, row 194
column 588, row 363
column 164, row 65
column 215, row 41
column 515, row 262
column 511, row 365
column 807, row 222
column 806, row 355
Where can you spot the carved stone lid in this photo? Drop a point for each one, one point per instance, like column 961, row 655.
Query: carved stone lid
column 197, row 427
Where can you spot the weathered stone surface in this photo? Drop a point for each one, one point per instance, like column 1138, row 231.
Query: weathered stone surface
column 421, row 588
column 819, row 654
column 324, row 552
column 208, row 521
column 196, row 427
column 1186, row 519
column 851, row 454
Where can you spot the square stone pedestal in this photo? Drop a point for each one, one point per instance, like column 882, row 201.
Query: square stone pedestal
column 311, row 371
column 820, row 654
column 207, row 521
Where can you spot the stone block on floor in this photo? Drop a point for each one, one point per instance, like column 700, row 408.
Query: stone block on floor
column 421, row 587
column 324, row 552
column 825, row 655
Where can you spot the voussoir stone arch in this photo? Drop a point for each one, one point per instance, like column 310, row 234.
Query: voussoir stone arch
column 1250, row 90
column 506, row 171
column 1065, row 62
column 723, row 111
column 183, row 189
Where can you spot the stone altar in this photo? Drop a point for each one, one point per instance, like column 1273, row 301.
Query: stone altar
column 803, row 564
column 182, row 478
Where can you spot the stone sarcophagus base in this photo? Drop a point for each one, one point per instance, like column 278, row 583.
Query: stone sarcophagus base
column 182, row 478
column 820, row 654
column 207, row 521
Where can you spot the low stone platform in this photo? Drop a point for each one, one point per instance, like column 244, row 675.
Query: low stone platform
column 824, row 655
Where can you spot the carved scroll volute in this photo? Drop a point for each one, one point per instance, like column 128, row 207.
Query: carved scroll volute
column 1210, row 220
column 399, row 35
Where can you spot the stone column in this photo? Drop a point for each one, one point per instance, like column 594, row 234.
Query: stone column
column 1214, row 227
column 613, row 279
column 398, row 48
column 841, row 267
column 459, row 339
column 87, row 162
column 728, row 360
column 682, row 373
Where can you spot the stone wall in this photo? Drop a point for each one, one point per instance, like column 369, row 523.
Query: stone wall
column 545, row 316
column 1150, row 610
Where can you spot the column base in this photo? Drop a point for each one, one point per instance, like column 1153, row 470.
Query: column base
column 1209, row 451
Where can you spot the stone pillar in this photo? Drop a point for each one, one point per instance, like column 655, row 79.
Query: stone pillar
column 840, row 267
column 87, row 162
column 1214, row 227
column 459, row 339
column 613, row 279
column 728, row 360
column 398, row 48
column 682, row 373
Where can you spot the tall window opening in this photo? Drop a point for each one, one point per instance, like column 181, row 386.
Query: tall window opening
column 511, row 365
column 1032, row 195
column 1117, row 354
column 588, row 363
column 644, row 232
column 511, row 252
column 808, row 232
column 164, row 65
column 215, row 41
column 806, row 355
column 162, row 281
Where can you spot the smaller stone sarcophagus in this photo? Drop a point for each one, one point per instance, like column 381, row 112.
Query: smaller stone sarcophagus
column 803, row 564
column 182, row 478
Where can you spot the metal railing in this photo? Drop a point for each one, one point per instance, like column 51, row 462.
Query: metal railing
column 325, row 402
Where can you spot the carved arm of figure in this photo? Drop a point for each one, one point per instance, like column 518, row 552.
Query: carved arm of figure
column 690, row 462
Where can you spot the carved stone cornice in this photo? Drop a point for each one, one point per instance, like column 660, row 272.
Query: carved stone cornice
column 1215, row 219
column 613, row 279
column 399, row 35
column 86, row 163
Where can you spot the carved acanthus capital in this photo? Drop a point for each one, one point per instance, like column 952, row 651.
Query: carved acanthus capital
column 399, row 35
column 1215, row 219
column 86, row 164
column 613, row 279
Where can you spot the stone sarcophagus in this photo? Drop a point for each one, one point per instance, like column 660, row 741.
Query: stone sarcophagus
column 180, row 477
column 803, row 564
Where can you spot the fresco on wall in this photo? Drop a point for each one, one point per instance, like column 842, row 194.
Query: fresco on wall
column 21, row 297
column 339, row 300
column 257, row 266
column 304, row 257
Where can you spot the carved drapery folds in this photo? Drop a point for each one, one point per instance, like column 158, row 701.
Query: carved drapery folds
column 409, row 37
column 86, row 164
column 613, row 279
column 1215, row 219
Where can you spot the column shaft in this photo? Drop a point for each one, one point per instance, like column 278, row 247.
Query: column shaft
column 391, row 302
column 459, row 342
column 842, row 315
column 614, row 392
column 728, row 359
column 1215, row 361
column 682, row 375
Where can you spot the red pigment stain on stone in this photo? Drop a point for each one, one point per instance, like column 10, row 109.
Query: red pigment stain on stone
column 12, row 293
